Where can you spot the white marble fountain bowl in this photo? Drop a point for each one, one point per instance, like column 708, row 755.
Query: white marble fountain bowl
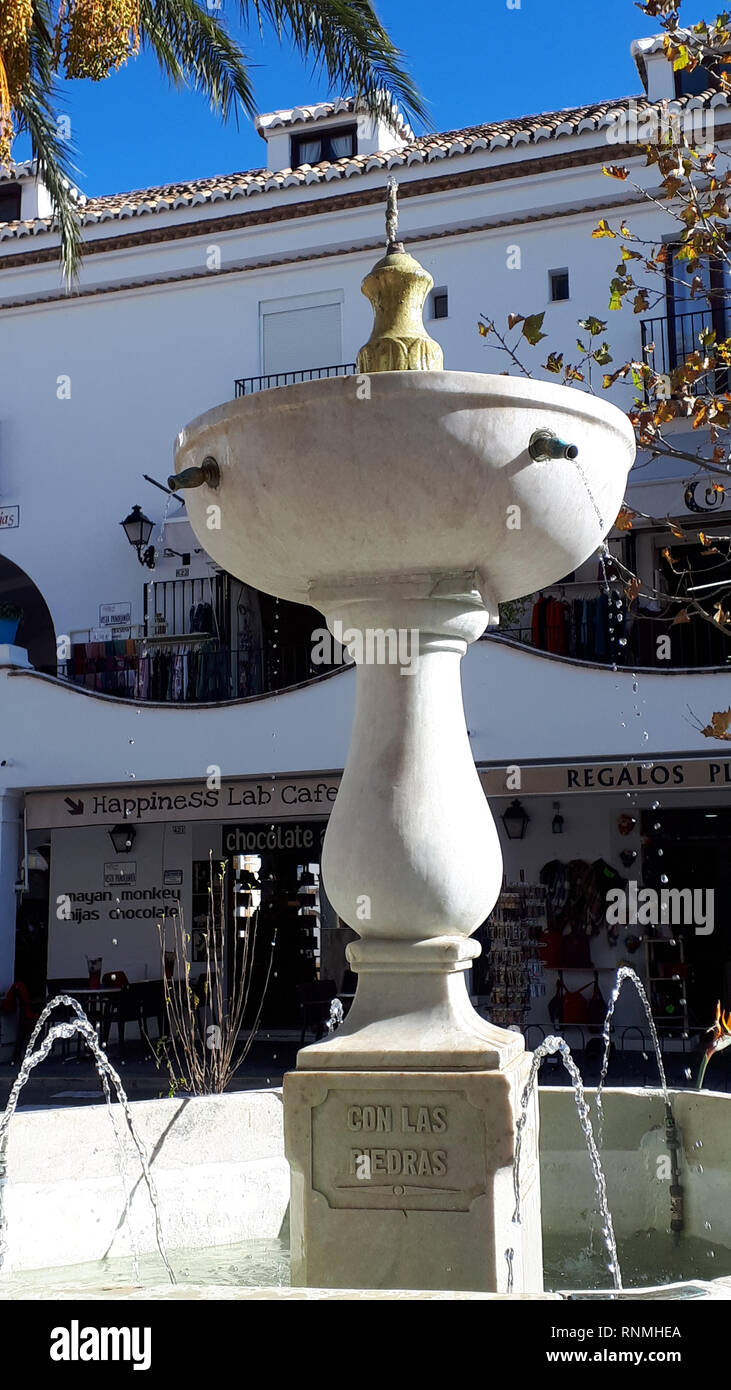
column 318, row 485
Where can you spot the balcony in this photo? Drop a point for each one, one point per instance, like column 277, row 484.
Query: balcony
column 578, row 628
column 186, row 671
column 250, row 385
column 669, row 341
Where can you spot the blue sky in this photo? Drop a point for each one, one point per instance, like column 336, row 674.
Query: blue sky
column 474, row 62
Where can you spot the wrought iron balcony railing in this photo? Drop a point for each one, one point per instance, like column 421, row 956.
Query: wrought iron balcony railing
column 180, row 673
column 694, row 646
column 249, row 385
column 669, row 341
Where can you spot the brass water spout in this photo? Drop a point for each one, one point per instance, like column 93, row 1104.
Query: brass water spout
column 544, row 444
column 208, row 472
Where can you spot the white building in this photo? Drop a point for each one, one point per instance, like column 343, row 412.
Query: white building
column 191, row 293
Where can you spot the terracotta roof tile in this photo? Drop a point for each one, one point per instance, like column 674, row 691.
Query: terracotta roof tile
column 423, row 149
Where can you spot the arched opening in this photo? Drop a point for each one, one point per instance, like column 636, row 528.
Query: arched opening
column 36, row 632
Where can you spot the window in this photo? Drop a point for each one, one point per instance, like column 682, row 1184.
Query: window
column 693, row 84
column 558, row 281
column 301, row 332
column 327, row 145
column 440, row 303
column 9, row 203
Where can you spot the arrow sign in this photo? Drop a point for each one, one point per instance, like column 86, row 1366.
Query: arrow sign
column 76, row 808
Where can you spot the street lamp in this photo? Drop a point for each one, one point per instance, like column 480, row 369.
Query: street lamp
column 138, row 528
column 515, row 820
column 122, row 837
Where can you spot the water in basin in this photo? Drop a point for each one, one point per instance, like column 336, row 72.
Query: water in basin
column 248, row 1264
column 646, row 1258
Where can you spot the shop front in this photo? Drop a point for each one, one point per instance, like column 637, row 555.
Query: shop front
column 605, row 863
column 609, row 864
column 135, row 880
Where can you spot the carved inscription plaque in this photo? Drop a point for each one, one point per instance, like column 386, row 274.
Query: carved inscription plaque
column 409, row 1150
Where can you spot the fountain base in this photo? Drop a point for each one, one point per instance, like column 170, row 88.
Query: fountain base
column 404, row 1179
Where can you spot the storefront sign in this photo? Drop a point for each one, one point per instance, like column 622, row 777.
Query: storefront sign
column 275, row 798
column 283, row 798
column 255, row 839
column 693, row 774
column 106, row 634
column 115, row 614
column 9, row 518
column 123, row 871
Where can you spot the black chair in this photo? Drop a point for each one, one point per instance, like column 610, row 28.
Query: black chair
column 120, row 1008
column 151, row 1004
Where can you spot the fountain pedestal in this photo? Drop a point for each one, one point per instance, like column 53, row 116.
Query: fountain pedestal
column 400, row 1129
column 404, row 504
column 403, row 1180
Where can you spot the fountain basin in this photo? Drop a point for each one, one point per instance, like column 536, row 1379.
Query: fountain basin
column 221, row 1176
column 405, row 473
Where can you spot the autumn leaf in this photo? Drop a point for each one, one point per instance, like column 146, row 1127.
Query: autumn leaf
column 593, row 325
column 554, row 362
column 641, row 302
column 681, row 617
column 484, row 329
column 531, row 329
column 515, row 318
column 616, row 291
column 628, row 255
column 613, row 171
column 625, row 518
column 632, row 589
column 671, row 185
column 718, row 727
column 720, row 615
column 603, row 229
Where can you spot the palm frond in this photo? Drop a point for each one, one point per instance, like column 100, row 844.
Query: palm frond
column 35, row 114
column 345, row 40
column 193, row 48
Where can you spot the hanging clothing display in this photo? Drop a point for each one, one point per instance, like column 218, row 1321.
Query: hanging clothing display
column 579, row 628
column 182, row 672
column 107, row 667
column 576, row 898
column 512, row 960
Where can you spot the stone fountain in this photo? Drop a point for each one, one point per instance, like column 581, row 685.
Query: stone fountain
column 408, row 500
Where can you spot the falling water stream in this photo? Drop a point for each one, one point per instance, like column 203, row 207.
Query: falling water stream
column 80, row 1026
column 549, row 1048
column 672, row 1134
column 626, row 972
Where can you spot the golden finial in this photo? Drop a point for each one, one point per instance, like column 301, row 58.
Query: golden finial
column 397, row 287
